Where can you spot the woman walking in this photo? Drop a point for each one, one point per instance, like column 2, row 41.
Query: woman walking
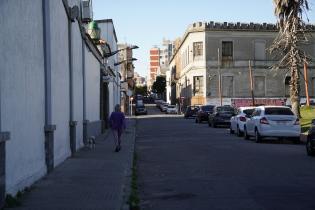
column 117, row 124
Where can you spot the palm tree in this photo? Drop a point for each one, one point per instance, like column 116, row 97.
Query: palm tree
column 292, row 33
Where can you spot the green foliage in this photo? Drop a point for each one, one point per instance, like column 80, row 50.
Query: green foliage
column 11, row 201
column 142, row 90
column 134, row 195
column 159, row 85
column 308, row 114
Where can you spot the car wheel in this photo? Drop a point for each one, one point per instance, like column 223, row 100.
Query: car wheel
column 309, row 148
column 231, row 130
column 238, row 132
column 196, row 121
column 257, row 136
column 209, row 123
column 246, row 136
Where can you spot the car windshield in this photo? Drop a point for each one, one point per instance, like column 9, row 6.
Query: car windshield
column 278, row 111
column 207, row 108
column 249, row 111
column 225, row 109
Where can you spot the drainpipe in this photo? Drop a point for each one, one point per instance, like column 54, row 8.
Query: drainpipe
column 49, row 127
column 4, row 136
column 74, row 13
column 85, row 121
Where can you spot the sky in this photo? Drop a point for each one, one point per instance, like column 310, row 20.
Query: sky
column 145, row 22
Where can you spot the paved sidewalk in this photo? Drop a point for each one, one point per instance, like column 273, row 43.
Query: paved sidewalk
column 94, row 179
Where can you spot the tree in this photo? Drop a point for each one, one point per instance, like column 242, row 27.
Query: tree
column 292, row 33
column 142, row 90
column 159, row 85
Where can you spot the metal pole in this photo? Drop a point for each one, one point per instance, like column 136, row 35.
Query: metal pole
column 219, row 72
column 251, row 82
column 306, row 84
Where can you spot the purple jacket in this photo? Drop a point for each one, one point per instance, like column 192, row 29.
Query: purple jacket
column 117, row 121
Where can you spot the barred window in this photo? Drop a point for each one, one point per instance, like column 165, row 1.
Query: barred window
column 198, row 85
column 198, row 49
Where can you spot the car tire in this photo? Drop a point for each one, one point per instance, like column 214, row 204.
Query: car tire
column 246, row 136
column 214, row 124
column 238, row 132
column 209, row 123
column 309, row 147
column 196, row 121
column 296, row 140
column 257, row 136
column 231, row 130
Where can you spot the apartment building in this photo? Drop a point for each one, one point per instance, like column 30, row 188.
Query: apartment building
column 211, row 65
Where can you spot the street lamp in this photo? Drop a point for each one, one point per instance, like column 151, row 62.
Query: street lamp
column 128, row 60
column 117, row 51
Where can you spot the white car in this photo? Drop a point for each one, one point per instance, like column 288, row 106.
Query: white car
column 171, row 109
column 238, row 121
column 273, row 121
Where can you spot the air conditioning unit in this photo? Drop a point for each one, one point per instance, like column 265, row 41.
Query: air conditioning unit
column 87, row 11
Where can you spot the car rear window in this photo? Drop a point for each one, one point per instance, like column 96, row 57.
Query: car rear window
column 207, row 108
column 225, row 109
column 249, row 111
column 278, row 111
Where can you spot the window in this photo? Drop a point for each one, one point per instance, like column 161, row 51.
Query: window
column 227, row 86
column 198, row 49
column 227, row 53
column 278, row 111
column 198, row 85
column 260, row 50
column 259, row 86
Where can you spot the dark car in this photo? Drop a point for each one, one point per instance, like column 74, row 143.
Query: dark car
column 310, row 144
column 203, row 113
column 140, row 110
column 191, row 111
column 221, row 116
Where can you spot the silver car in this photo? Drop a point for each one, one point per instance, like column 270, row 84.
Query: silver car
column 273, row 121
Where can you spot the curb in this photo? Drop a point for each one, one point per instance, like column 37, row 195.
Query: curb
column 128, row 173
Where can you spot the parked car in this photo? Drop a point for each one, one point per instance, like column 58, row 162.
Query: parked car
column 171, row 109
column 310, row 144
column 238, row 121
column 140, row 109
column 163, row 106
column 221, row 116
column 203, row 113
column 191, row 111
column 273, row 121
column 158, row 102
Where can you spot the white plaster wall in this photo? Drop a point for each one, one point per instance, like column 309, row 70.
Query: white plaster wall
column 22, row 88
column 107, row 33
column 92, row 68
column 60, row 81
column 77, row 83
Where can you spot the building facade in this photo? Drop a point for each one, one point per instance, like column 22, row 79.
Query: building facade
column 50, row 99
column 211, row 65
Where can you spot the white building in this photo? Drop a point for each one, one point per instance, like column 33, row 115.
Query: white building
column 50, row 87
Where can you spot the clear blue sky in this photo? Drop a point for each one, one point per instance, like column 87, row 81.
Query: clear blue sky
column 145, row 23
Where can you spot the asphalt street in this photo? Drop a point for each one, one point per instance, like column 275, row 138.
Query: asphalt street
column 184, row 165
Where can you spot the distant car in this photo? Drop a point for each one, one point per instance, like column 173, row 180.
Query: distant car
column 191, row 111
column 221, row 116
column 273, row 121
column 203, row 113
column 310, row 144
column 163, row 107
column 141, row 110
column 238, row 121
column 171, row 109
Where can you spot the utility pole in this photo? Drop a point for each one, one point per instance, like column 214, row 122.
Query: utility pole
column 251, row 83
column 306, row 84
column 219, row 73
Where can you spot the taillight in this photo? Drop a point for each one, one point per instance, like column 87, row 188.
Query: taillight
column 264, row 121
column 242, row 118
column 297, row 121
